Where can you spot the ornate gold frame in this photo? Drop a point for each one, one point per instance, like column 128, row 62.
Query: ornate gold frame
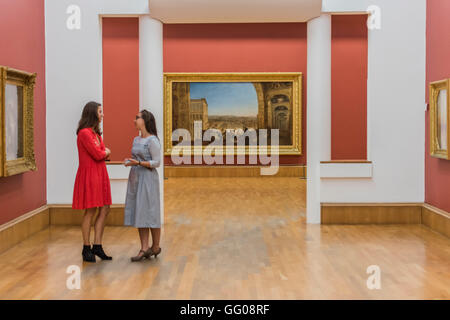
column 27, row 162
column 295, row 77
column 435, row 88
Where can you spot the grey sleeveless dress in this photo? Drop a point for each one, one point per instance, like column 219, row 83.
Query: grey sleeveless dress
column 142, row 207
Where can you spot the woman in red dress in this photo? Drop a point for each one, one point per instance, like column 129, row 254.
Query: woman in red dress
column 92, row 188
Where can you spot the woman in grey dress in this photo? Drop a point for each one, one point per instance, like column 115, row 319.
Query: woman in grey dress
column 142, row 205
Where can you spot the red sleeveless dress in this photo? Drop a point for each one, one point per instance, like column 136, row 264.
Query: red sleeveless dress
column 92, row 188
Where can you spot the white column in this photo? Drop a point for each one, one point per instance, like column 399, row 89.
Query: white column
column 318, row 109
column 151, row 91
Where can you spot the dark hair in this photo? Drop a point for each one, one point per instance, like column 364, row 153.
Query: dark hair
column 89, row 117
column 150, row 122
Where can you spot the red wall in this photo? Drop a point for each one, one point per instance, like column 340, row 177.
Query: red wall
column 255, row 47
column 120, row 84
column 23, row 47
column 349, row 58
column 437, row 171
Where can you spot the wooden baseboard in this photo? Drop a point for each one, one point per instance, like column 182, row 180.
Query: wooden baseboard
column 230, row 171
column 436, row 219
column 65, row 215
column 19, row 229
column 387, row 213
column 371, row 213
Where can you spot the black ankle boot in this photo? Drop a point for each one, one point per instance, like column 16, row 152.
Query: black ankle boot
column 97, row 249
column 87, row 254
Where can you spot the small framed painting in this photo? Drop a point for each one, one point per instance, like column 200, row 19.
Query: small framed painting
column 16, row 121
column 439, row 118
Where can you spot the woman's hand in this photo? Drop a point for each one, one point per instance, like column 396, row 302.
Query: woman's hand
column 130, row 162
column 108, row 152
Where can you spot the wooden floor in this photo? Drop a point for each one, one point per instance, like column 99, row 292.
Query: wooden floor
column 237, row 238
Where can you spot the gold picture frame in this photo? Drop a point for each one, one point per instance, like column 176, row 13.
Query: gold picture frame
column 296, row 78
column 440, row 119
column 20, row 86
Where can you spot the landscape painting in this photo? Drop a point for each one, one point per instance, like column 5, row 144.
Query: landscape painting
column 235, row 106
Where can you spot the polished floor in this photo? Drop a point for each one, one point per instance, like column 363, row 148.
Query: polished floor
column 235, row 238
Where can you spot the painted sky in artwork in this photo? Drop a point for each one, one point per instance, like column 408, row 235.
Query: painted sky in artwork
column 227, row 98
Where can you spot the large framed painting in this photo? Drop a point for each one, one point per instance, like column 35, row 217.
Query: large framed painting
column 439, row 118
column 264, row 109
column 16, row 121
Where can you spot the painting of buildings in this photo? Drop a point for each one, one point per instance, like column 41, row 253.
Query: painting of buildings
column 233, row 106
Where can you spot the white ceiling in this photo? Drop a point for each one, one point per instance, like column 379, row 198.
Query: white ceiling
column 234, row 11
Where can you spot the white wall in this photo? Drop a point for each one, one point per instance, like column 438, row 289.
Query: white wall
column 74, row 76
column 396, row 98
column 319, row 102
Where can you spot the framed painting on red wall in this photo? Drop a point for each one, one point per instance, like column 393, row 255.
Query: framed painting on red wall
column 16, row 121
column 237, row 113
column 439, row 119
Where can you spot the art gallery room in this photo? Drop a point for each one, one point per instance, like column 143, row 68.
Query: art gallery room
column 292, row 150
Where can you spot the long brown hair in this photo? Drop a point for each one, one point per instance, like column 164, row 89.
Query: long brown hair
column 89, row 117
column 150, row 122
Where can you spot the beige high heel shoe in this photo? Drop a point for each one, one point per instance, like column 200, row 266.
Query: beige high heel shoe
column 146, row 254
